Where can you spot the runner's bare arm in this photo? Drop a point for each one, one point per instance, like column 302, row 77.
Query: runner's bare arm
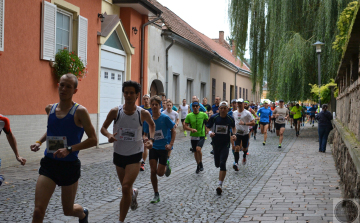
column 12, row 141
column 112, row 115
column 145, row 116
column 173, row 135
column 252, row 123
column 36, row 147
column 186, row 127
column 253, row 112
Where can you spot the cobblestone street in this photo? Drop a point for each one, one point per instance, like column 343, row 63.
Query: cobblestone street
column 290, row 184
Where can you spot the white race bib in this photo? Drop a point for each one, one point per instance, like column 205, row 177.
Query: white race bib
column 53, row 143
column 221, row 129
column 281, row 118
column 158, row 135
column 239, row 131
column 127, row 134
column 195, row 138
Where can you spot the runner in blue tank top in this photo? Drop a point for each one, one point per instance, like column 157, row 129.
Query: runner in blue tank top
column 67, row 122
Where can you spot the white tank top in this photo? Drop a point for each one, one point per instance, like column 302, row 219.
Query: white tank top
column 129, row 132
column 184, row 111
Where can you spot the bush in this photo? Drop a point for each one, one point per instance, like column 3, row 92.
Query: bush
column 325, row 91
column 66, row 62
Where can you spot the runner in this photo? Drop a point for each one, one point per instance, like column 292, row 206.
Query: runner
column 264, row 113
column 164, row 140
column 215, row 106
column 207, row 106
column 195, row 123
column 184, row 109
column 247, row 107
column 202, row 108
column 67, row 122
column 256, row 122
column 174, row 117
column 296, row 111
column 303, row 113
column 128, row 142
column 230, row 113
column 312, row 114
column 280, row 114
column 5, row 125
column 291, row 116
column 243, row 119
column 272, row 121
column 222, row 124
column 147, row 107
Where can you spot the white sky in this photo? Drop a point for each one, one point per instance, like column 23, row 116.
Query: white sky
column 207, row 16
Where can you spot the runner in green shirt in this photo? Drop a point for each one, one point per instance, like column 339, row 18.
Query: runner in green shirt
column 296, row 112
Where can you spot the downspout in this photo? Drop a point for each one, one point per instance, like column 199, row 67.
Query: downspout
column 142, row 56
column 167, row 66
column 238, row 70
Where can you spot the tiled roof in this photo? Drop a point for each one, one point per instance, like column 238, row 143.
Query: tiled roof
column 225, row 44
column 178, row 26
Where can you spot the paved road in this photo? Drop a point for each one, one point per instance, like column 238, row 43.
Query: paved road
column 185, row 195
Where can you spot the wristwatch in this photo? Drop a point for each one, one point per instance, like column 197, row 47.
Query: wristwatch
column 152, row 139
column 69, row 148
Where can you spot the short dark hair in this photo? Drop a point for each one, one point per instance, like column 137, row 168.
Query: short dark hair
column 133, row 84
column 70, row 75
column 162, row 94
column 155, row 98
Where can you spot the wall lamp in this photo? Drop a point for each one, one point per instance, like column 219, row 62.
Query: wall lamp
column 101, row 16
column 135, row 30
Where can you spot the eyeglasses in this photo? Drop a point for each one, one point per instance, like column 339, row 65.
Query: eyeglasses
column 195, row 105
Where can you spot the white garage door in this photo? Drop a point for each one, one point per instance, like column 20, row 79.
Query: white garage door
column 111, row 79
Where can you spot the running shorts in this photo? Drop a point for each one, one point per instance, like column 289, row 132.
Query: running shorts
column 264, row 123
column 296, row 120
column 312, row 115
column 273, row 119
column 63, row 173
column 159, row 155
column 255, row 128
column 182, row 120
column 221, row 154
column 244, row 139
column 123, row 161
column 197, row 142
column 291, row 116
column 279, row 126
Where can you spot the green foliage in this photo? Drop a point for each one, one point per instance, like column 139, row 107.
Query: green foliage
column 325, row 91
column 346, row 18
column 66, row 62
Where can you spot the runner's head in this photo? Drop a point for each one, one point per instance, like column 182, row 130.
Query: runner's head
column 184, row 102
column 162, row 95
column 155, row 102
column 194, row 98
column 67, row 86
column 266, row 105
column 164, row 103
column 169, row 104
column 240, row 104
column 281, row 103
column 234, row 104
column 223, row 108
column 146, row 99
column 297, row 105
column 273, row 105
column 195, row 106
column 131, row 91
column 246, row 105
column 217, row 100
column 204, row 101
column 324, row 107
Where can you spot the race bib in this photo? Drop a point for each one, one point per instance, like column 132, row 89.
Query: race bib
column 221, row 129
column 195, row 138
column 127, row 134
column 158, row 135
column 53, row 143
column 239, row 131
column 281, row 118
column 183, row 114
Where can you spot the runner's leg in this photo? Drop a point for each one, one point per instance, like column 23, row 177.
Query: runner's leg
column 281, row 132
column 68, row 194
column 265, row 132
column 44, row 189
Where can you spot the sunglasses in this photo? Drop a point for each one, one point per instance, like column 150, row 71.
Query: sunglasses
column 195, row 105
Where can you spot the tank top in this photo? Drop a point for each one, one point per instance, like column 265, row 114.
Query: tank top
column 64, row 127
column 129, row 132
column 184, row 111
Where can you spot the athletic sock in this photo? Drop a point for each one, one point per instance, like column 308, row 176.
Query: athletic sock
column 168, row 158
column 120, row 222
column 245, row 152
column 220, row 183
column 142, row 160
column 236, row 154
column 156, row 193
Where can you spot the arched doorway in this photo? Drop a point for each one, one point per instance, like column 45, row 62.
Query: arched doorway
column 156, row 87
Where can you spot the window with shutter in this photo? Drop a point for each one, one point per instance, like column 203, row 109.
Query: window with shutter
column 82, row 39
column 213, row 92
column 63, row 30
column 246, row 94
column 48, row 31
column 2, row 22
column 224, row 91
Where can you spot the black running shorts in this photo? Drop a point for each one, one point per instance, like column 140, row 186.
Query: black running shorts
column 279, row 126
column 182, row 120
column 123, row 161
column 244, row 139
column 63, row 173
column 159, row 155
column 264, row 123
column 296, row 120
column 197, row 143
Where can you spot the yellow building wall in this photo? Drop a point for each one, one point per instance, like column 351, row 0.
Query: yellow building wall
column 109, row 8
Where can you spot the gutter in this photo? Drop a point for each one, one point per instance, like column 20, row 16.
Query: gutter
column 167, row 67
column 142, row 55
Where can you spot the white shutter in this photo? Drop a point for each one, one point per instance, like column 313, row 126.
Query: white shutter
column 2, row 21
column 82, row 39
column 48, row 31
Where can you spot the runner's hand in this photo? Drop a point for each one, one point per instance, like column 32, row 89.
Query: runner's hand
column 35, row 147
column 212, row 134
column 145, row 140
column 111, row 138
column 149, row 144
column 21, row 160
column 168, row 147
column 61, row 153
column 233, row 137
column 176, row 125
column 193, row 130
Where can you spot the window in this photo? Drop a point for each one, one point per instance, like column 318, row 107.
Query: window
column 114, row 41
column 224, row 91
column 189, row 91
column 63, row 30
column 112, row 76
column 202, row 91
column 213, row 90
column 119, row 77
column 239, row 92
column 175, row 89
column 246, row 94
column 106, row 75
column 232, row 93
column 2, row 21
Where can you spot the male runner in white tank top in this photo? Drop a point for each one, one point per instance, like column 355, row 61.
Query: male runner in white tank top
column 128, row 142
column 184, row 110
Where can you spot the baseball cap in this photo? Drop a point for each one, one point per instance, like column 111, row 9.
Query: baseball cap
column 233, row 100
column 223, row 103
column 247, row 102
column 265, row 102
column 240, row 100
column 297, row 104
column 281, row 100
column 195, row 103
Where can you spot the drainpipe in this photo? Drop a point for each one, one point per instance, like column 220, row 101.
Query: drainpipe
column 142, row 56
column 167, row 66
column 238, row 70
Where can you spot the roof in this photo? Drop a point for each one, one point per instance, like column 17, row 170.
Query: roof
column 225, row 44
column 178, row 26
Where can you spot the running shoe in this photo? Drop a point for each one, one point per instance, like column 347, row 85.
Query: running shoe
column 264, row 143
column 142, row 167
column 279, row 146
column 191, row 150
column 168, row 169
column 85, row 220
column 255, row 137
column 197, row 169
column 201, row 166
column 212, row 152
column 219, row 190
column 134, row 204
column 185, row 133
column 313, row 125
column 205, row 137
column 155, row 199
column 247, row 153
column 291, row 126
column 244, row 161
column 236, row 167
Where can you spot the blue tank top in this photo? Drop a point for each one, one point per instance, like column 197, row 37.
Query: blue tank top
column 64, row 127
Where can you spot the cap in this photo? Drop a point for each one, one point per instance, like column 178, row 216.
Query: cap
column 223, row 103
column 246, row 102
column 297, row 104
column 265, row 102
column 281, row 100
column 233, row 100
column 146, row 95
column 195, row 103
column 240, row 100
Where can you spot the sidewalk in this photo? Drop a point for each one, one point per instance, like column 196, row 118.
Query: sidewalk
column 302, row 187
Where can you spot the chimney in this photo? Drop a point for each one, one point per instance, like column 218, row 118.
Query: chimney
column 233, row 47
column 221, row 37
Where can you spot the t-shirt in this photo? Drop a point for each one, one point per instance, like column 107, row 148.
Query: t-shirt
column 265, row 113
column 173, row 115
column 208, row 107
column 147, row 109
column 197, row 121
column 4, row 124
column 215, row 108
column 283, row 112
column 184, row 111
column 297, row 111
column 312, row 110
column 244, row 116
column 231, row 112
column 202, row 108
column 162, row 136
column 222, row 126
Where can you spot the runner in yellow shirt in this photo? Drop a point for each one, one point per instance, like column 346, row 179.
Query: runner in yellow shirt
column 296, row 112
